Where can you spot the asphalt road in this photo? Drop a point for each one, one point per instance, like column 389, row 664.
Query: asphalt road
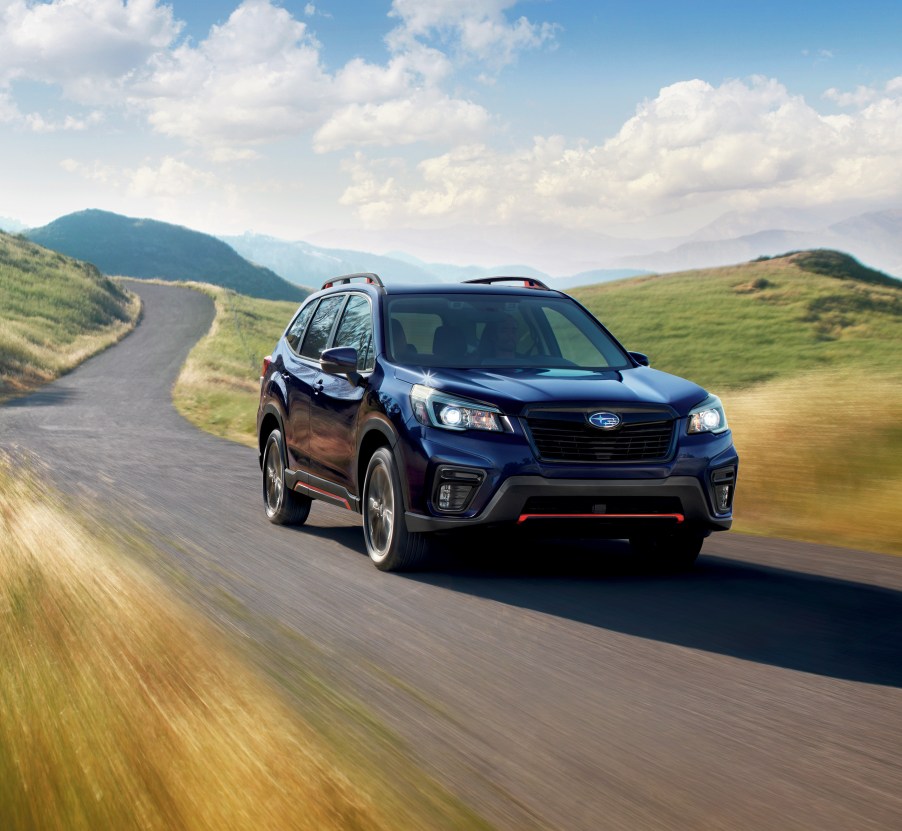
column 549, row 686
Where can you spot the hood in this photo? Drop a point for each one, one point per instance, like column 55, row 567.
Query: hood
column 513, row 389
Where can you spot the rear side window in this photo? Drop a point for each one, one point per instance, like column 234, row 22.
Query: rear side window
column 356, row 329
column 321, row 327
column 295, row 333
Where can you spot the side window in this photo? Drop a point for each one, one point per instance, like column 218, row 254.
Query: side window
column 321, row 326
column 356, row 329
column 295, row 332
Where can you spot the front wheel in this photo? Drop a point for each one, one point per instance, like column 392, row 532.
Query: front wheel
column 282, row 505
column 388, row 542
column 675, row 551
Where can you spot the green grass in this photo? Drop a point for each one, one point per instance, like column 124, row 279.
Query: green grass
column 730, row 328
column 219, row 385
column 54, row 313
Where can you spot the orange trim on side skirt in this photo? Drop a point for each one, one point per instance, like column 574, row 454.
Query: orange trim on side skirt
column 326, row 494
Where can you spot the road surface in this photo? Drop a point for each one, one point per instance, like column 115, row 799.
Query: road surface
column 563, row 690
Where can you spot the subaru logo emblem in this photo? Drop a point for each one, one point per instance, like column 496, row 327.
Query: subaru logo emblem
column 604, row 421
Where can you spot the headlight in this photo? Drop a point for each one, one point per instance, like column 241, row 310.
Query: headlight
column 708, row 417
column 436, row 409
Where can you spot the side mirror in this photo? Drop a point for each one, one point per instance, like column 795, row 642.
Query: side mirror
column 340, row 360
column 640, row 358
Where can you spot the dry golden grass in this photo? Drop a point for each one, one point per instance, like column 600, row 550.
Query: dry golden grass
column 121, row 709
column 821, row 458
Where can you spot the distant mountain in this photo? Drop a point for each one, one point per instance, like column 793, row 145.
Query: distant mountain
column 873, row 238
column 310, row 264
column 145, row 248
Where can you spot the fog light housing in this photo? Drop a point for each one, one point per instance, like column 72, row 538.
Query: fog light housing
column 455, row 488
column 723, row 481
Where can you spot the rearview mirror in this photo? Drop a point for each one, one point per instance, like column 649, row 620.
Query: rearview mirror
column 640, row 358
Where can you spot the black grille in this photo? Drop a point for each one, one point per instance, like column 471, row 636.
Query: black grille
column 571, row 440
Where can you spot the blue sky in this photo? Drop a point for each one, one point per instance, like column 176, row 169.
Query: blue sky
column 640, row 118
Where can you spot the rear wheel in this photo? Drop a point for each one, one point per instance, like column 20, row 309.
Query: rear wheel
column 388, row 542
column 676, row 550
column 282, row 505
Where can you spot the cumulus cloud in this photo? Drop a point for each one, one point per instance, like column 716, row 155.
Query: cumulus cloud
column 259, row 76
column 479, row 29
column 87, row 47
column 743, row 143
column 255, row 78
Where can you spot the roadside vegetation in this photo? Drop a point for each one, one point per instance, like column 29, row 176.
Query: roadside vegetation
column 121, row 708
column 219, row 384
column 805, row 350
column 55, row 312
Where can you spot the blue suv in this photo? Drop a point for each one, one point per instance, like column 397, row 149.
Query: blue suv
column 495, row 402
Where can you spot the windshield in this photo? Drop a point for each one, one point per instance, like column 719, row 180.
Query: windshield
column 479, row 330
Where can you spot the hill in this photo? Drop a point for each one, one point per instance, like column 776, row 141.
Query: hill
column 731, row 327
column 54, row 313
column 146, row 249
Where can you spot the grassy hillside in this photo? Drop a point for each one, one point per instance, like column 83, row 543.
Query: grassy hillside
column 809, row 365
column 146, row 248
column 731, row 327
column 54, row 313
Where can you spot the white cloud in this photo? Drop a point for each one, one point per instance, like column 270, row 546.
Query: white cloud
column 255, row 78
column 479, row 29
column 420, row 116
column 38, row 124
column 86, row 46
column 741, row 143
column 169, row 179
column 258, row 77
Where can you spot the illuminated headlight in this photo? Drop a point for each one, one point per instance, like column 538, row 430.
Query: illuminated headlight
column 708, row 417
column 436, row 409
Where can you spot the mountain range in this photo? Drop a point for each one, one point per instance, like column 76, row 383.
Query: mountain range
column 311, row 265
column 265, row 266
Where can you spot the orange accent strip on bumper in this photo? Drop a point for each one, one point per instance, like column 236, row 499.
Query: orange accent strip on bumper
column 678, row 518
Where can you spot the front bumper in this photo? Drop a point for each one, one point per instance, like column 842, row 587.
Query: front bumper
column 511, row 504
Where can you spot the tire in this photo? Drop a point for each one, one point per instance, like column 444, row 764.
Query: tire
column 388, row 542
column 674, row 551
column 282, row 506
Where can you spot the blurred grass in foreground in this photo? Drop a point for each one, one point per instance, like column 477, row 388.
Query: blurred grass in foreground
column 120, row 709
column 820, row 458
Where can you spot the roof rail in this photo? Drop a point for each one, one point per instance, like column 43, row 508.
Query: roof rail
column 366, row 276
column 528, row 282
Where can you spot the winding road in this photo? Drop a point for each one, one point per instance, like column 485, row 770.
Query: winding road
column 762, row 690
